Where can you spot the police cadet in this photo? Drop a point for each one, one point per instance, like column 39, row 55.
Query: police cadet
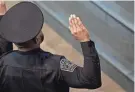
column 30, row 69
column 5, row 46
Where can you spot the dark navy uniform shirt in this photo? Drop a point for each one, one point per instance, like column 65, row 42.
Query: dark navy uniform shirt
column 4, row 45
column 40, row 71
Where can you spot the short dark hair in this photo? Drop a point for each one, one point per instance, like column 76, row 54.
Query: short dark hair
column 26, row 44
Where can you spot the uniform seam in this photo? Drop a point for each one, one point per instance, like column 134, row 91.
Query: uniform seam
column 23, row 68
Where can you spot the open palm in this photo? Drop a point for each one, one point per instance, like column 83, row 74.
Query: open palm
column 77, row 29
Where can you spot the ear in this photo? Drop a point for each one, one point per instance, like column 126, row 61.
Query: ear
column 41, row 38
column 37, row 40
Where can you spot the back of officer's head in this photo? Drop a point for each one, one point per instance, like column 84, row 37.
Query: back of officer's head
column 36, row 41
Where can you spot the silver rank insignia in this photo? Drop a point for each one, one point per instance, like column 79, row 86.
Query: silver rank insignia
column 66, row 65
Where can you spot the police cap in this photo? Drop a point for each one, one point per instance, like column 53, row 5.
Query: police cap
column 21, row 23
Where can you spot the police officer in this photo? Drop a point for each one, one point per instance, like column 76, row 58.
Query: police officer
column 30, row 69
column 5, row 46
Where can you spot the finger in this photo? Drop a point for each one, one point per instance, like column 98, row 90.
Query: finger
column 78, row 21
column 75, row 20
column 70, row 22
column 73, row 24
column 71, row 28
column 78, row 24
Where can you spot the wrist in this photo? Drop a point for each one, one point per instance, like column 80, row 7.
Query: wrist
column 1, row 14
column 85, row 40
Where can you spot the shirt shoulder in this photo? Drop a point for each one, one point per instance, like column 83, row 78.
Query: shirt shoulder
column 4, row 56
column 54, row 60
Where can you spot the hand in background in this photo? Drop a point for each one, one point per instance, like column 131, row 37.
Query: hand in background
column 77, row 29
column 2, row 8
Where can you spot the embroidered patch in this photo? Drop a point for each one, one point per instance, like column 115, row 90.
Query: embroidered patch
column 66, row 65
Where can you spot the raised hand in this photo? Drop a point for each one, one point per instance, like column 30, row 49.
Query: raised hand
column 77, row 29
column 2, row 8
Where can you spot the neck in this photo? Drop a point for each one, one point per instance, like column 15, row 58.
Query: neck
column 28, row 49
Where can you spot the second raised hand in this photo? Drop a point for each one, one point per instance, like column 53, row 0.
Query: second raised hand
column 77, row 29
column 2, row 8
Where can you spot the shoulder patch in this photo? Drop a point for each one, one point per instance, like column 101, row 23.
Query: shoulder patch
column 66, row 65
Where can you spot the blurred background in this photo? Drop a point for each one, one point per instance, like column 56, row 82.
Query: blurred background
column 111, row 27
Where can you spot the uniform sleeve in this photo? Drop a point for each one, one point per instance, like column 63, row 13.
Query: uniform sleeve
column 4, row 45
column 88, row 76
